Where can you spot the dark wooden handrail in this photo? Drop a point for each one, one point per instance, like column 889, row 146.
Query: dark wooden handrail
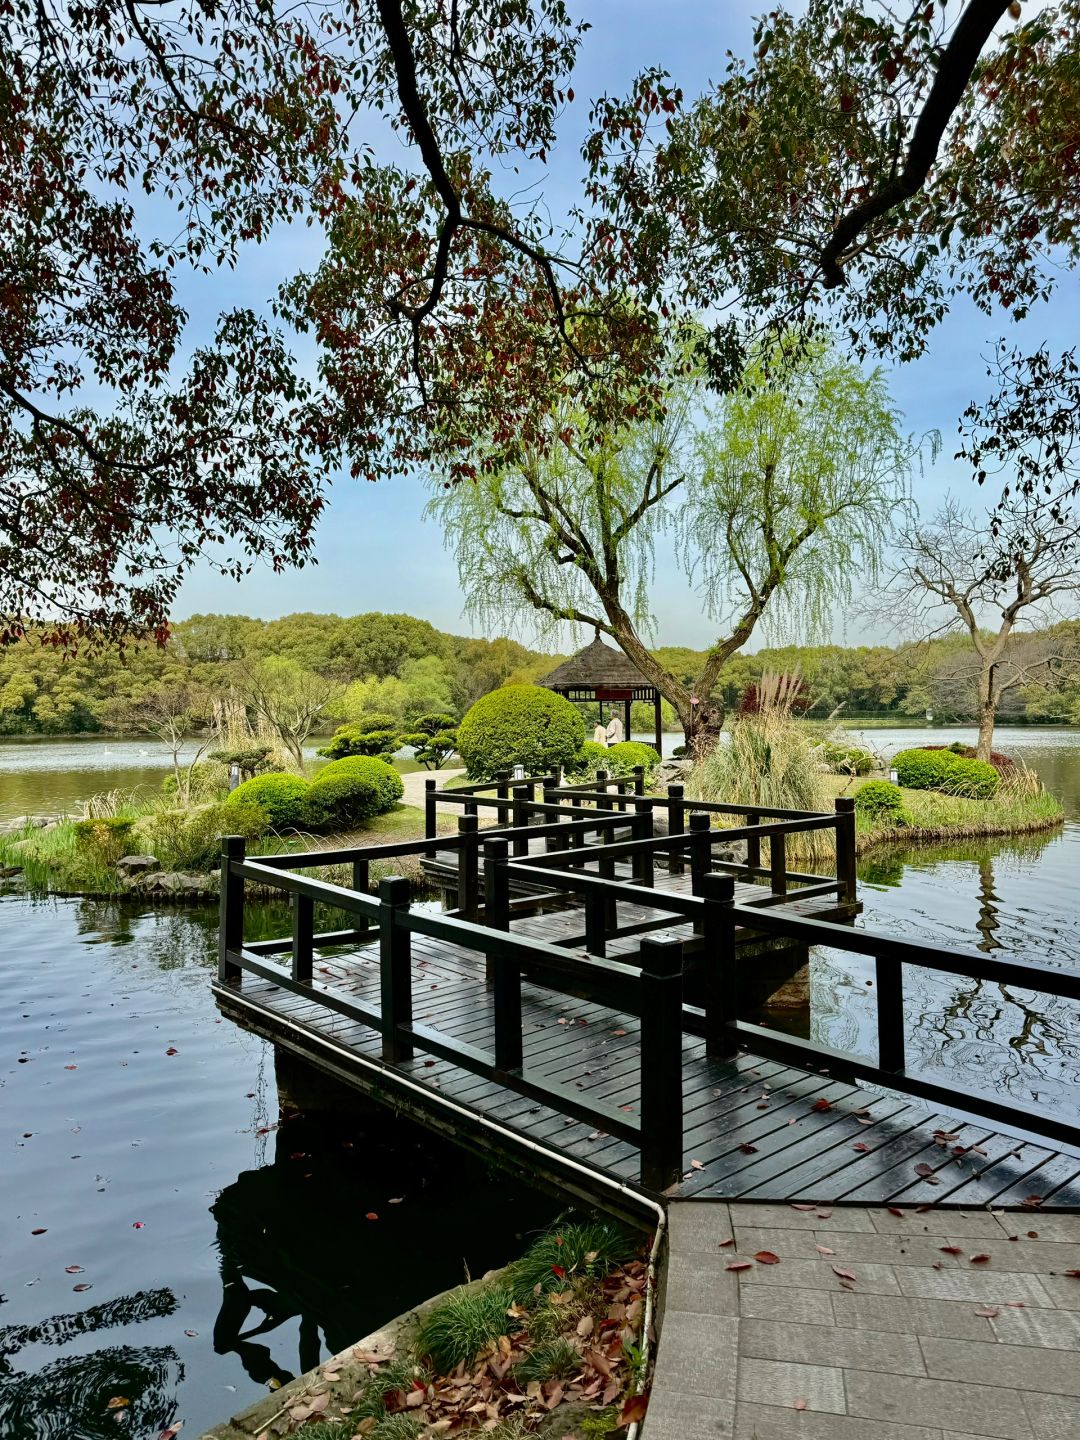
column 648, row 985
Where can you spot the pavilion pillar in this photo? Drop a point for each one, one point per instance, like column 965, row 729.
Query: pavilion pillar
column 627, row 706
column 659, row 719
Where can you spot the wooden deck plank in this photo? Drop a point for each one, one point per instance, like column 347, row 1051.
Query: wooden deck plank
column 798, row 1152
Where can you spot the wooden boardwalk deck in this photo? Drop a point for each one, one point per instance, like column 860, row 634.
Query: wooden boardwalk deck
column 754, row 1129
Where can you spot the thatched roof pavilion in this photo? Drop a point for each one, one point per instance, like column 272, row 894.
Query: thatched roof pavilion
column 601, row 673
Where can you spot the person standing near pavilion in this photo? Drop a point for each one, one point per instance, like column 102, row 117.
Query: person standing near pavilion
column 600, row 734
column 615, row 731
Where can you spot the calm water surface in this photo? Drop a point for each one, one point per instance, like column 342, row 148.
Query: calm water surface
column 222, row 1253
column 217, row 1253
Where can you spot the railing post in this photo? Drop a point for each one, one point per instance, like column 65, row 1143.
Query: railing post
column 639, row 779
column 641, row 863
column 700, row 849
column 721, row 977
column 395, row 968
column 468, row 866
column 753, row 846
column 778, row 863
column 430, row 821
column 596, row 917
column 496, row 894
column 522, row 796
column 547, row 795
column 661, row 1062
column 361, row 882
column 502, row 792
column 303, row 934
column 676, row 825
column 890, row 1013
column 506, row 1006
column 846, row 884
column 230, row 907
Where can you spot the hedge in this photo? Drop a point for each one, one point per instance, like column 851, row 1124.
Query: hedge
column 589, row 759
column 946, row 771
column 281, row 795
column 622, row 758
column 520, row 725
column 358, row 740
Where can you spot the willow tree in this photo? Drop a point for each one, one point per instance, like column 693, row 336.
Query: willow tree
column 777, row 499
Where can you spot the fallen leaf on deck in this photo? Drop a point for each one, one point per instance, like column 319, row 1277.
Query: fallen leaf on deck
column 767, row 1257
column 979, row 1259
column 138, row 1224
column 739, row 1265
column 41, row 1230
column 81, row 1287
column 900, row 1214
column 73, row 1269
column 748, row 1149
column 371, row 1215
column 860, row 1147
column 951, row 1250
column 696, row 1165
column 729, row 1241
column 843, row 1274
column 804, row 1207
column 924, row 1169
column 172, row 1050
column 824, row 1250
column 821, row 1105
column 800, row 1404
column 988, row 1314
column 1073, row 1274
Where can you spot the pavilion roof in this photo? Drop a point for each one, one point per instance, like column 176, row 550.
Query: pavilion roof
column 599, row 666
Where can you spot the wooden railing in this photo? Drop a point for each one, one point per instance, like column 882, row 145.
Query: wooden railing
column 647, row 985
column 624, row 797
column 716, row 918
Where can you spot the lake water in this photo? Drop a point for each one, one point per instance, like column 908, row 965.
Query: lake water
column 223, row 1254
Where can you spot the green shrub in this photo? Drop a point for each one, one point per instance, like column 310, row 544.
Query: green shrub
column 281, row 796
column 103, row 842
column 520, row 725
column 622, row 758
column 946, row 771
column 209, row 780
column 589, row 759
column 355, row 740
column 923, row 769
column 880, row 800
column 845, row 759
column 350, row 791
column 434, row 740
column 973, row 779
column 458, row 1329
column 191, row 839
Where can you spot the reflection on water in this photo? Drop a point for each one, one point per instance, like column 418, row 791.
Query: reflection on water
column 1015, row 895
column 190, row 1249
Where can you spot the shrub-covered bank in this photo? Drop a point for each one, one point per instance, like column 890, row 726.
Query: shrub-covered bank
column 931, row 816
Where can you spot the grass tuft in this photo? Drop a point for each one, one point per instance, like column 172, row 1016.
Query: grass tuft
column 458, row 1329
column 398, row 1375
column 565, row 1253
column 557, row 1360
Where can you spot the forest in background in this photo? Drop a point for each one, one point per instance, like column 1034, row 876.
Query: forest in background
column 401, row 666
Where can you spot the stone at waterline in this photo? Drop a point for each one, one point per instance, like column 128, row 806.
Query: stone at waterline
column 8, row 872
column 173, row 884
column 131, row 865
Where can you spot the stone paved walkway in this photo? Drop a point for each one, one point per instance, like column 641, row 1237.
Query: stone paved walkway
column 923, row 1343
column 414, row 789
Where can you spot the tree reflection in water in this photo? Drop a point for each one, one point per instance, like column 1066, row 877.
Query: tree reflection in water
column 68, row 1399
column 304, row 1274
column 1019, row 1043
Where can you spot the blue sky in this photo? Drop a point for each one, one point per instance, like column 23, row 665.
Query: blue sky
column 374, row 550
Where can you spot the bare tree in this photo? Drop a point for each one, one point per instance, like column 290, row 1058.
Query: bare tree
column 957, row 575
column 288, row 699
column 176, row 716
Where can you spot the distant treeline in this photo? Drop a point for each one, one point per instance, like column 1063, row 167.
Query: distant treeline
column 396, row 664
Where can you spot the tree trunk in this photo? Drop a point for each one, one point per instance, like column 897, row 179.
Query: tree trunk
column 987, row 713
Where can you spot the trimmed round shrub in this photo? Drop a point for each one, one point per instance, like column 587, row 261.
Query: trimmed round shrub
column 881, row 800
column 923, row 769
column 589, row 759
column 972, row 779
column 622, row 758
column 350, row 791
column 520, row 725
column 998, row 760
column 280, row 795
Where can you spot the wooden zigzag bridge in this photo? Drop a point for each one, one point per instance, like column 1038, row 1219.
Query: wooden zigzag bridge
column 580, row 1010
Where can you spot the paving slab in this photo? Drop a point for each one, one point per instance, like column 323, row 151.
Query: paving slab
column 923, row 1344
